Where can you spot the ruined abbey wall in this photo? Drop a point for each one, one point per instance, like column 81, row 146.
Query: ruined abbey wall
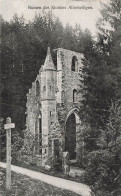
column 55, row 94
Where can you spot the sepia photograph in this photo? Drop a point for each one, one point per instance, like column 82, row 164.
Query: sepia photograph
column 60, row 98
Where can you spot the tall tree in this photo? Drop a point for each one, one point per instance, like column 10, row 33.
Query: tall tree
column 102, row 68
column 102, row 79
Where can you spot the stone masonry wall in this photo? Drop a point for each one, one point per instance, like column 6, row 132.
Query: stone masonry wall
column 33, row 106
column 68, row 80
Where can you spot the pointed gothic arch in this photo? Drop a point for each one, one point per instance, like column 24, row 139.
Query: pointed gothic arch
column 74, row 64
column 72, row 124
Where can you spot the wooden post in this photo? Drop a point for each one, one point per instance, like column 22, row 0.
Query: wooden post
column 8, row 174
column 8, row 126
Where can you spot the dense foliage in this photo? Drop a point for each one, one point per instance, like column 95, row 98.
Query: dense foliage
column 103, row 166
column 101, row 73
column 101, row 104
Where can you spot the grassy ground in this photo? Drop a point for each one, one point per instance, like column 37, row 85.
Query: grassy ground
column 25, row 186
column 56, row 173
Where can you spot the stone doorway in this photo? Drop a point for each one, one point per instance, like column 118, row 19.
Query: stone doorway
column 70, row 136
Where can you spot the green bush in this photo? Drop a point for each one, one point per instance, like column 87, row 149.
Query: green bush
column 103, row 172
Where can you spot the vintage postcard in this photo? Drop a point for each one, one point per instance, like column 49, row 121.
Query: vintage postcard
column 60, row 108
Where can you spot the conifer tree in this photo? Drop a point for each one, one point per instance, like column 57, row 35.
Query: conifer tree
column 102, row 70
column 102, row 102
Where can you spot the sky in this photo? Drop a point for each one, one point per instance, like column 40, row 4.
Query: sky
column 85, row 16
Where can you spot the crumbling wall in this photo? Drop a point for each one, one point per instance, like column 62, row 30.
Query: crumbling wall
column 68, row 80
column 33, row 106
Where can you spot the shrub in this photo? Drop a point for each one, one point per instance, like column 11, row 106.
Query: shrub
column 103, row 171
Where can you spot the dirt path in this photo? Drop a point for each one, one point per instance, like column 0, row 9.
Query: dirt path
column 78, row 188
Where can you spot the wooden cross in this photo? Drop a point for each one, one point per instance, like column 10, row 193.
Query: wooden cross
column 8, row 126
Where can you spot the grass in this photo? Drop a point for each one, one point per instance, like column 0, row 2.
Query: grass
column 22, row 185
column 52, row 172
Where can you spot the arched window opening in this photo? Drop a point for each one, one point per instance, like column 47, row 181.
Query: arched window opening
column 50, row 88
column 37, row 88
column 74, row 95
column 74, row 64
